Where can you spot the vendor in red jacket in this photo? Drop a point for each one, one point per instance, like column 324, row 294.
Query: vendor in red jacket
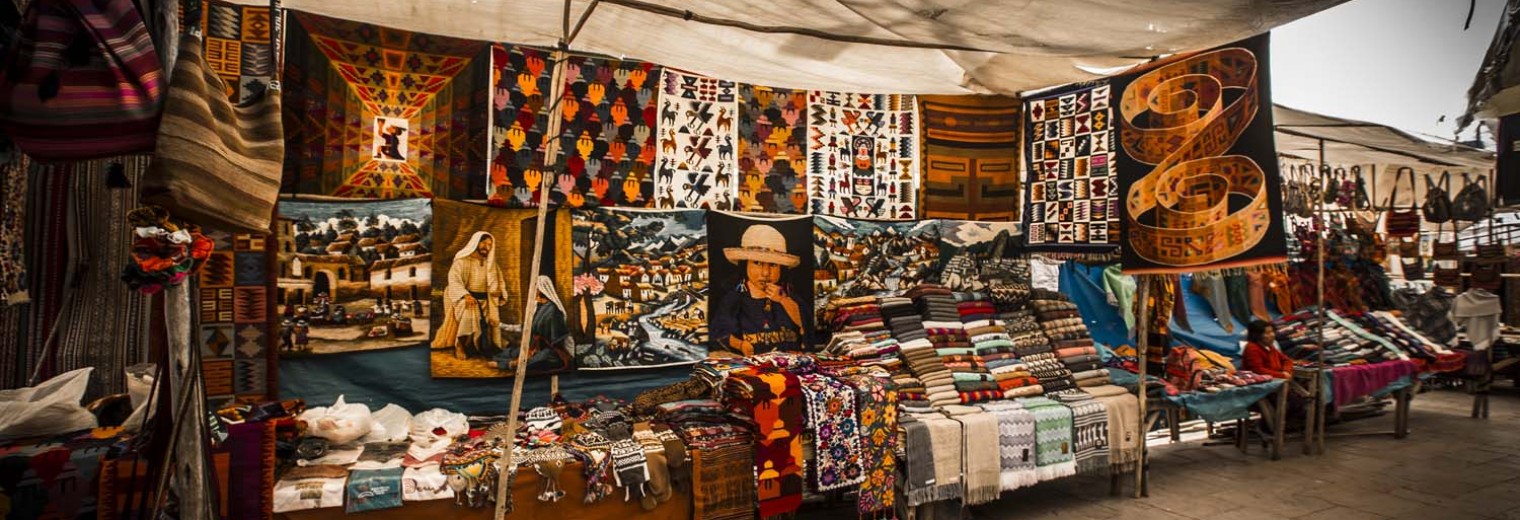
column 1262, row 355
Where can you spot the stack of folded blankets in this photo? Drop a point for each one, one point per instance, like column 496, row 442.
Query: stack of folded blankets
column 903, row 319
column 1025, row 331
column 1058, row 317
column 1081, row 358
column 973, row 382
column 861, row 313
column 934, row 379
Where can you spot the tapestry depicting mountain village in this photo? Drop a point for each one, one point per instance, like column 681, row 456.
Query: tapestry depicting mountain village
column 353, row 276
column 864, row 257
column 641, row 288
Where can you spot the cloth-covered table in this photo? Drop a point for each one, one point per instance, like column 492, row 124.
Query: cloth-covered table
column 53, row 478
column 525, row 503
column 1349, row 383
column 1225, row 405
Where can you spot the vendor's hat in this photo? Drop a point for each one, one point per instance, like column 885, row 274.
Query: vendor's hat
column 762, row 243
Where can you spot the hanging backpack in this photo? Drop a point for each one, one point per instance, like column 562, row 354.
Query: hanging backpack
column 1437, row 206
column 1472, row 203
column 83, row 81
column 218, row 164
column 1402, row 223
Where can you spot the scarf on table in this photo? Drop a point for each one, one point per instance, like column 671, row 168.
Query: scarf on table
column 774, row 399
column 723, row 482
column 877, row 404
column 1123, row 424
column 1016, row 445
column 1089, row 421
column 945, row 444
column 836, row 429
column 1054, row 455
column 979, row 432
column 918, row 446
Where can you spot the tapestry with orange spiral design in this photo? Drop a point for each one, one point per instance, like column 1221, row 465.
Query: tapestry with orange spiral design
column 1196, row 165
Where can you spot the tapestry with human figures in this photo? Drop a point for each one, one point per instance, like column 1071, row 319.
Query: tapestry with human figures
column 853, row 257
column 762, row 273
column 606, row 152
column 382, row 113
column 696, row 167
column 772, row 163
column 1198, row 167
column 640, row 288
column 1071, row 205
column 862, row 155
column 970, row 157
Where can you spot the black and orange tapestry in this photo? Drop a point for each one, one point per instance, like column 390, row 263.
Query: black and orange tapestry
column 1072, row 190
column 772, row 140
column 971, row 157
column 382, row 113
column 606, row 151
column 1197, row 166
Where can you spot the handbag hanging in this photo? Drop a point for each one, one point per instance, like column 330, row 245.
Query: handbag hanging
column 1448, row 277
column 1409, row 248
column 1402, row 223
column 1472, row 203
column 1437, row 206
column 218, row 164
column 83, row 81
column 1414, row 267
column 1347, row 191
column 1487, row 275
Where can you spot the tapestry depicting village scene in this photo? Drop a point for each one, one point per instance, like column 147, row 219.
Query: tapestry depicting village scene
column 641, row 288
column 353, row 275
column 855, row 257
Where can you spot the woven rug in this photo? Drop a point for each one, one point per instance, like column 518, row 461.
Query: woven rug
column 772, row 137
column 1054, row 454
column 695, row 161
column 970, row 159
column 858, row 169
column 723, row 482
column 1072, row 203
column 1016, row 445
column 1089, row 419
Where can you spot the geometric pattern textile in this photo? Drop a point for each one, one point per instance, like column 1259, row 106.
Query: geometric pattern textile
column 971, row 157
column 1072, row 199
column 862, row 155
column 696, row 155
column 772, row 133
column 376, row 112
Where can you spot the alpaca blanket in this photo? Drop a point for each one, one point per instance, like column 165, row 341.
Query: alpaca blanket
column 945, row 437
column 1089, row 420
column 1016, row 445
column 1054, row 454
column 878, row 438
column 918, row 470
column 982, row 472
column 1123, row 423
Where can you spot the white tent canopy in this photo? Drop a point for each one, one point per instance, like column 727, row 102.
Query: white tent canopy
column 878, row 46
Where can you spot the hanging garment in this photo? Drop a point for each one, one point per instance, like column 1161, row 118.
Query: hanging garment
column 1212, row 288
column 1477, row 312
column 1121, row 288
column 1239, row 292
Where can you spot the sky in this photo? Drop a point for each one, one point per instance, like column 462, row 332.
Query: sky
column 1403, row 63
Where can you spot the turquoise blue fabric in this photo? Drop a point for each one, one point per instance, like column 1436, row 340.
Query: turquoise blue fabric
column 1226, row 405
column 1084, row 285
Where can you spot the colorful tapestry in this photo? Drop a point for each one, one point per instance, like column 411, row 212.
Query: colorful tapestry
column 772, row 164
column 376, row 112
column 237, row 312
column 237, row 47
column 970, row 157
column 353, row 276
column 640, row 287
column 831, row 416
column 696, row 156
column 773, row 400
column 862, row 155
column 878, row 436
column 981, row 256
column 762, row 269
column 1198, row 169
column 864, row 257
column 484, row 271
column 1070, row 145
column 606, row 152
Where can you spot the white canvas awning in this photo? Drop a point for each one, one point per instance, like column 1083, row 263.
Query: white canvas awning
column 878, row 46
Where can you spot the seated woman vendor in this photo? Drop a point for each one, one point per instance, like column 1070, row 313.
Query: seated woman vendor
column 1262, row 355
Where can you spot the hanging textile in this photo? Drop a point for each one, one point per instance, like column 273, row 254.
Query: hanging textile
column 772, row 164
column 831, row 416
column 353, row 276
column 237, row 308
column 14, row 168
column 762, row 293
column 861, row 155
column 865, row 257
column 970, row 157
column 606, row 152
column 877, row 404
column 984, row 257
column 641, row 288
column 696, row 166
column 376, row 112
column 485, row 255
column 1072, row 203
column 1201, row 191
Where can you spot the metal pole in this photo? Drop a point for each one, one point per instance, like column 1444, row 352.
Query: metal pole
column 1142, row 326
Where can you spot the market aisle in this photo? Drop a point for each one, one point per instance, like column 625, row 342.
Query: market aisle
column 1451, row 467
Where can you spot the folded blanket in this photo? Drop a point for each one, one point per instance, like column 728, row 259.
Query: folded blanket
column 1009, row 384
column 961, row 377
column 1053, row 429
column 1123, row 424
column 1071, row 352
column 980, row 396
column 1024, row 391
column 1016, row 445
column 972, row 386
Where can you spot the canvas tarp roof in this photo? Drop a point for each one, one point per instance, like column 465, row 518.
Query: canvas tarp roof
column 938, row 46
column 1495, row 91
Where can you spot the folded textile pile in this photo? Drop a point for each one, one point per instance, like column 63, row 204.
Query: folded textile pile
column 902, row 318
column 1123, row 424
column 696, row 412
column 938, row 384
column 1058, row 317
column 1053, row 442
column 1016, row 444
column 973, row 384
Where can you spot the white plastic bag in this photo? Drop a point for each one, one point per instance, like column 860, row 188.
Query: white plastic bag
column 340, row 423
column 51, row 408
column 392, row 424
column 434, row 430
column 139, row 385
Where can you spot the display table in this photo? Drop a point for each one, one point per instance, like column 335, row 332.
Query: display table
column 525, row 504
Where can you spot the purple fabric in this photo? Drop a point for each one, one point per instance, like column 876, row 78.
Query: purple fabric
column 246, row 490
column 1350, row 383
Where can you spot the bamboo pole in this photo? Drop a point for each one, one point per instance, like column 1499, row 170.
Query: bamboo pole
column 1142, row 348
column 1317, row 446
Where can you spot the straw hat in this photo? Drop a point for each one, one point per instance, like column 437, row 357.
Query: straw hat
column 762, row 243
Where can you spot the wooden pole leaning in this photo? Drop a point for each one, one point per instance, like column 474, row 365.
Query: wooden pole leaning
column 1143, row 352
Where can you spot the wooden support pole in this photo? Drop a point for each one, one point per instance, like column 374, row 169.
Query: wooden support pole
column 1142, row 329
